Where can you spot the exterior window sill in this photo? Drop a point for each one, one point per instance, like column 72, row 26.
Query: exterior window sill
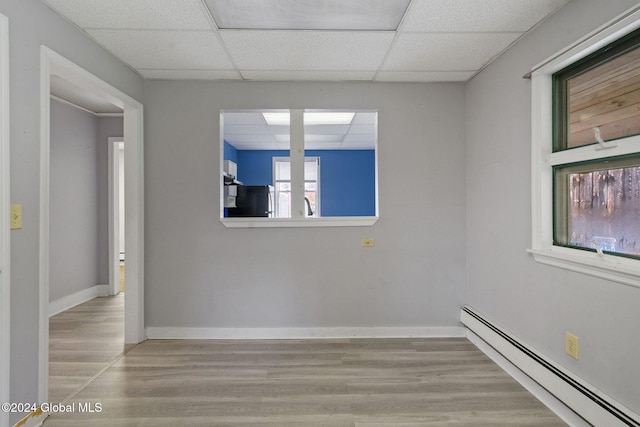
column 617, row 269
column 355, row 221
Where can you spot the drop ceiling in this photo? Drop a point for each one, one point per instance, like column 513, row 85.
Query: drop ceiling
column 248, row 130
column 306, row 40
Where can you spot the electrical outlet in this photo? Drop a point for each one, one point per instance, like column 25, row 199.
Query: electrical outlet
column 368, row 243
column 571, row 345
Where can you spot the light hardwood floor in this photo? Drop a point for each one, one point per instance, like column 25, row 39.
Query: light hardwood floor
column 342, row 382
column 83, row 341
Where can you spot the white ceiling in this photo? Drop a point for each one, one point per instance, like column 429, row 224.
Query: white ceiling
column 437, row 40
column 248, row 130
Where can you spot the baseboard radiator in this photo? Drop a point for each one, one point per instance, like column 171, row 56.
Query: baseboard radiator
column 585, row 400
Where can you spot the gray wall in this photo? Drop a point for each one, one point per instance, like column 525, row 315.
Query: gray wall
column 73, row 207
column 107, row 127
column 535, row 302
column 30, row 25
column 79, row 199
column 201, row 274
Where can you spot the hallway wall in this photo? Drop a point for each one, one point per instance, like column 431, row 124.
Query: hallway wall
column 73, row 206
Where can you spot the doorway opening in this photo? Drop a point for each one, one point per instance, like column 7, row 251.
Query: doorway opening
column 54, row 65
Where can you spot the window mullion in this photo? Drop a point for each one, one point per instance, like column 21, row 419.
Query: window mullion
column 296, row 130
column 586, row 153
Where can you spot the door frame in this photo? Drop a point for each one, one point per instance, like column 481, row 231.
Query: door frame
column 52, row 63
column 115, row 224
column 5, row 238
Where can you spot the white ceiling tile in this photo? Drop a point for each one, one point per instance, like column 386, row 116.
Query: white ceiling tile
column 245, row 129
column 233, row 139
column 279, row 129
column 189, row 74
column 364, row 118
column 138, row 14
column 477, row 15
column 254, row 146
column 424, row 76
column 446, row 52
column 165, row 49
column 322, row 138
column 362, row 130
column 308, row 15
column 365, row 145
column 308, row 138
column 252, row 138
column 326, row 129
column 307, row 50
column 322, row 146
column 359, row 138
column 286, row 75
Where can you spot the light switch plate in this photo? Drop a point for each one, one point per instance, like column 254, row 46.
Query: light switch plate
column 16, row 217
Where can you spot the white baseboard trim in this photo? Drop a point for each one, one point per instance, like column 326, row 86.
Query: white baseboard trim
column 304, row 333
column 70, row 301
column 584, row 399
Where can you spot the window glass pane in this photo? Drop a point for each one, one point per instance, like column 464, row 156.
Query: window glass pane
column 283, row 203
column 344, row 142
column 251, row 139
column 602, row 208
column 310, row 170
column 604, row 93
column 283, row 186
column 282, row 183
column 312, row 186
column 283, row 171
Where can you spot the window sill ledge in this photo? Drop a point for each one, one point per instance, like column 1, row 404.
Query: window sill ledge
column 616, row 269
column 355, row 221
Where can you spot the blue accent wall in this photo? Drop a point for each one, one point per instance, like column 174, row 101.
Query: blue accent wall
column 347, row 177
column 230, row 152
column 255, row 167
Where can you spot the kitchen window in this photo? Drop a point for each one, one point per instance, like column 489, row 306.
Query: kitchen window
column 586, row 155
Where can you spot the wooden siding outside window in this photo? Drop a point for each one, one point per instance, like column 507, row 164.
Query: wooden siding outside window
column 602, row 92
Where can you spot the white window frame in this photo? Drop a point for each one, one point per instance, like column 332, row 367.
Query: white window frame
column 610, row 267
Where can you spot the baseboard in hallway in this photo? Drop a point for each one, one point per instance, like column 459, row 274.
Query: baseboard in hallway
column 77, row 298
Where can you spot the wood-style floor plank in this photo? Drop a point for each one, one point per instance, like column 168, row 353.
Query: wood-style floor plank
column 337, row 382
column 82, row 341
